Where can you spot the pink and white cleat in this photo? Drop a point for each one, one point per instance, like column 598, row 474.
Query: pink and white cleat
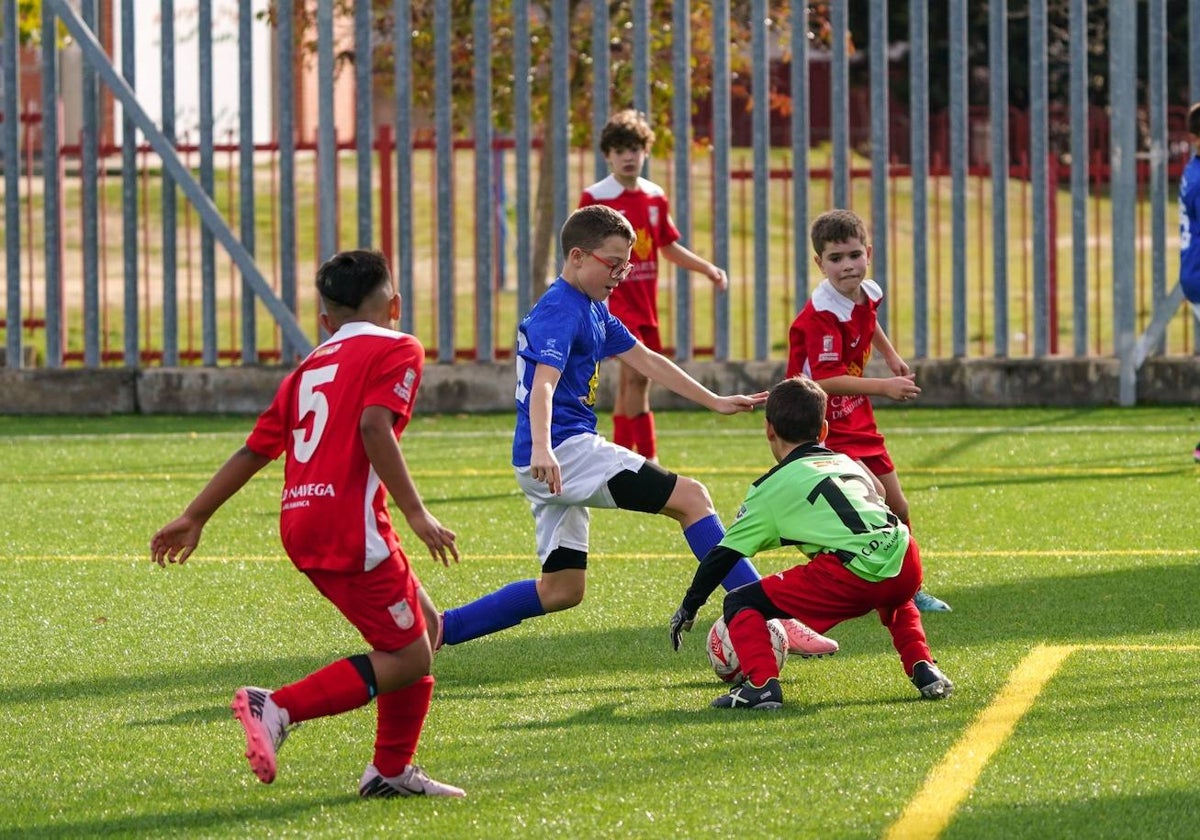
column 806, row 642
column 266, row 728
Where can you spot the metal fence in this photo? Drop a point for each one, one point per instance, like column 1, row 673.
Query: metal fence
column 989, row 238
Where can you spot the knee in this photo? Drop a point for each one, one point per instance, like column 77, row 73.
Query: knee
column 690, row 499
column 557, row 595
column 748, row 597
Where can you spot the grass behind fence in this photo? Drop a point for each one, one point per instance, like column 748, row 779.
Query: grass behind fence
column 902, row 241
column 1064, row 537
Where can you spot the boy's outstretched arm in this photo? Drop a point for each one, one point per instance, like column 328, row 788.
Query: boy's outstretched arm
column 712, row 570
column 383, row 451
column 175, row 541
column 899, row 388
column 660, row 369
column 692, row 261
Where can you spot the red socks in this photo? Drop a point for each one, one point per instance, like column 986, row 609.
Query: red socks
column 752, row 640
column 401, row 716
column 636, row 433
column 623, row 431
column 334, row 689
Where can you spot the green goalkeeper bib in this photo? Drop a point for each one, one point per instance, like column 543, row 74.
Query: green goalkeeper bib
column 822, row 502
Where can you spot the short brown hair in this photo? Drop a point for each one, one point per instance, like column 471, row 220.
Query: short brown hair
column 1193, row 120
column 837, row 226
column 588, row 227
column 626, row 129
column 796, row 409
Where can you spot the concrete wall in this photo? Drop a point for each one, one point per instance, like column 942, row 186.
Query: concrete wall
column 474, row 388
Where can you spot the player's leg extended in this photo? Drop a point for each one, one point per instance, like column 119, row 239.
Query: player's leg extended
column 561, row 524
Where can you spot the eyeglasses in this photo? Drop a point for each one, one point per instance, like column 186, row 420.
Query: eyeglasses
column 616, row 271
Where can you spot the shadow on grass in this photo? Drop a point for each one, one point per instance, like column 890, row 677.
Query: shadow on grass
column 191, row 822
column 211, row 679
column 1162, row 814
column 1078, row 609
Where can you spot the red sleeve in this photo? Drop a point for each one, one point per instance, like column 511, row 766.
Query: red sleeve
column 394, row 381
column 268, row 437
column 796, row 354
column 586, row 199
column 667, row 233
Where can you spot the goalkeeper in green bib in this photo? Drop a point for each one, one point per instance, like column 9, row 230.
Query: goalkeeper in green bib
column 861, row 557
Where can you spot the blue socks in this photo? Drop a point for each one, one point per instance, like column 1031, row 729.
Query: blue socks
column 512, row 604
column 703, row 536
column 499, row 610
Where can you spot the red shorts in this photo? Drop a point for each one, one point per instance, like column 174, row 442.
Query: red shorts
column 382, row 603
column 649, row 336
column 823, row 592
column 879, row 464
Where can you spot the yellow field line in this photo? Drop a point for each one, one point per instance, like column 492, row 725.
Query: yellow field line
column 622, row 555
column 750, row 472
column 949, row 783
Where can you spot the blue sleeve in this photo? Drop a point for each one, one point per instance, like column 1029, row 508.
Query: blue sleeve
column 548, row 337
column 618, row 338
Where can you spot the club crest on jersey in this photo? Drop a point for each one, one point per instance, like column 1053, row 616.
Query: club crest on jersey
column 402, row 615
column 653, row 217
column 403, row 389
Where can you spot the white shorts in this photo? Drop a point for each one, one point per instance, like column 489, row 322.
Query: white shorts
column 587, row 462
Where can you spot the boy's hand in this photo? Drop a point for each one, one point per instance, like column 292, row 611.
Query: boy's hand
column 437, row 538
column 544, row 467
column 740, row 402
column 680, row 622
column 175, row 541
column 901, row 388
column 719, row 278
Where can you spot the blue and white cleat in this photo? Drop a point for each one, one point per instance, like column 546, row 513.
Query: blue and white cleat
column 929, row 603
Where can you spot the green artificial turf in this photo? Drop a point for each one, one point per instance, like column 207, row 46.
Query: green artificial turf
column 1045, row 529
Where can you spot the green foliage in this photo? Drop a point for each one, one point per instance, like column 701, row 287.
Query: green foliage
column 618, row 53
column 1040, row 527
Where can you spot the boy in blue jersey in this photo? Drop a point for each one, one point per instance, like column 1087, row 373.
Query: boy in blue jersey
column 862, row 557
column 1189, row 222
column 563, row 466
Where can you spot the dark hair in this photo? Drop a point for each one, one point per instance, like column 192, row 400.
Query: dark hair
column 837, row 226
column 796, row 408
column 588, row 227
column 626, row 129
column 1193, row 119
column 346, row 279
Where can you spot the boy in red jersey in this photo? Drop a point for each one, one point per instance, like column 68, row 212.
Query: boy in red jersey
column 831, row 340
column 625, row 142
column 338, row 418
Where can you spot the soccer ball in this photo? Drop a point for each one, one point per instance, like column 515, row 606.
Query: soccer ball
column 724, row 660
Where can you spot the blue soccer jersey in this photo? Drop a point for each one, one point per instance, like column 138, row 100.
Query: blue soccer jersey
column 572, row 333
column 1189, row 230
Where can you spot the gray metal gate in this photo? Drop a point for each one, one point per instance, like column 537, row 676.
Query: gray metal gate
column 774, row 275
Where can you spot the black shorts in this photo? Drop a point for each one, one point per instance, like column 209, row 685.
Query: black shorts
column 645, row 491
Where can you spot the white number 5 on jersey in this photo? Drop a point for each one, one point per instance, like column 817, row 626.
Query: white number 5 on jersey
column 313, row 402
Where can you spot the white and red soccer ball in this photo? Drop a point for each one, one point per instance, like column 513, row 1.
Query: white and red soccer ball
column 724, row 660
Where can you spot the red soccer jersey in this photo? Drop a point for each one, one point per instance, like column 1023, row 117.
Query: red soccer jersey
column 635, row 301
column 334, row 512
column 832, row 337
